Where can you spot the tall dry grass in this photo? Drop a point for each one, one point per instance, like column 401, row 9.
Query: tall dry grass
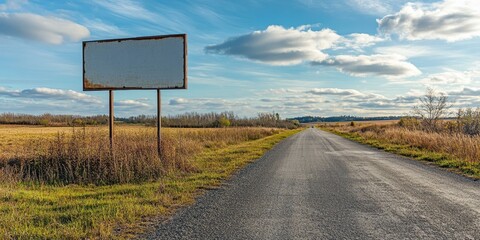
column 462, row 146
column 459, row 145
column 84, row 156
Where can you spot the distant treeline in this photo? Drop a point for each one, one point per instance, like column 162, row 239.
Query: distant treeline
column 193, row 119
column 52, row 120
column 309, row 119
column 213, row 119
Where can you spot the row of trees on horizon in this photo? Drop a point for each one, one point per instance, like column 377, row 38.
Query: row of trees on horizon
column 186, row 120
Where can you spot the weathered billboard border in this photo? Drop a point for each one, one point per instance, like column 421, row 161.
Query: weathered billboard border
column 112, row 88
column 90, row 84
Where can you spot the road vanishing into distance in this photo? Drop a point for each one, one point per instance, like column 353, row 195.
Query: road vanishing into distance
column 316, row 185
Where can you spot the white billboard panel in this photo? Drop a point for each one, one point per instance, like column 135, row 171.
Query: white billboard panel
column 157, row 62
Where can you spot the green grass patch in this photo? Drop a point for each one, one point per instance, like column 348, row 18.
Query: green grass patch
column 440, row 159
column 123, row 210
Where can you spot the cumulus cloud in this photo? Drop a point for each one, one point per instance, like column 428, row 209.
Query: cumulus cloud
column 450, row 20
column 50, row 94
column 46, row 29
column 279, row 46
column 390, row 66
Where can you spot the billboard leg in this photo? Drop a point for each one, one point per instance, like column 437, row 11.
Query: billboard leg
column 110, row 119
column 159, row 123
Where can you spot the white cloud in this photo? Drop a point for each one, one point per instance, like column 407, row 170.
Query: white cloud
column 467, row 91
column 408, row 51
column 269, row 100
column 46, row 29
column 450, row 20
column 335, row 101
column 49, row 94
column 334, row 91
column 178, row 101
column 139, row 103
column 378, row 105
column 390, row 66
column 347, row 95
column 279, row 46
column 357, row 41
column 281, row 91
column 449, row 78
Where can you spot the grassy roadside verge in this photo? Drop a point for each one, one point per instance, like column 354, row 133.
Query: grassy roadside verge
column 443, row 160
column 122, row 210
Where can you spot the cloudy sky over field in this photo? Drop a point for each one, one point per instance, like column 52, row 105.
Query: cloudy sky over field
column 298, row 57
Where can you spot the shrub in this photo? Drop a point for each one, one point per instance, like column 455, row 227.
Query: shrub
column 468, row 120
column 44, row 122
column 409, row 122
column 222, row 122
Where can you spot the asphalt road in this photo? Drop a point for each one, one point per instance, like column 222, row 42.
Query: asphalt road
column 315, row 185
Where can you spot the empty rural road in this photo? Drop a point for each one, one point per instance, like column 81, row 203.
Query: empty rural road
column 316, row 185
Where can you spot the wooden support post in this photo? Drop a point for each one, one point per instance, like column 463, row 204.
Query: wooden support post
column 110, row 119
column 159, row 123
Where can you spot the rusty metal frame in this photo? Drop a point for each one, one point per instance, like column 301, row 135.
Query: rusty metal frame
column 185, row 56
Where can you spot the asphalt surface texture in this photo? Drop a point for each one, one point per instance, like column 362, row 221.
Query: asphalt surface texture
column 316, row 185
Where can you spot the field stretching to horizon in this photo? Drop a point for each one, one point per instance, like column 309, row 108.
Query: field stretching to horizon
column 448, row 146
column 64, row 183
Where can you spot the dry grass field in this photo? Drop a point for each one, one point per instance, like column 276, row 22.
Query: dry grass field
column 450, row 149
column 63, row 183
column 13, row 138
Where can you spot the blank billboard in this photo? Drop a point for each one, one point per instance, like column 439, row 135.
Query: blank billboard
column 157, row 62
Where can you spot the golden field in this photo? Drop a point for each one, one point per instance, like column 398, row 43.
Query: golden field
column 63, row 183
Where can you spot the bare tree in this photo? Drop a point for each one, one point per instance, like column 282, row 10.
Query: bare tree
column 433, row 106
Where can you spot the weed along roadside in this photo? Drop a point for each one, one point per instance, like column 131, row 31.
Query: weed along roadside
column 456, row 152
column 64, row 202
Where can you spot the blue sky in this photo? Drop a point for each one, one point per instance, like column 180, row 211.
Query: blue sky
column 299, row 57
